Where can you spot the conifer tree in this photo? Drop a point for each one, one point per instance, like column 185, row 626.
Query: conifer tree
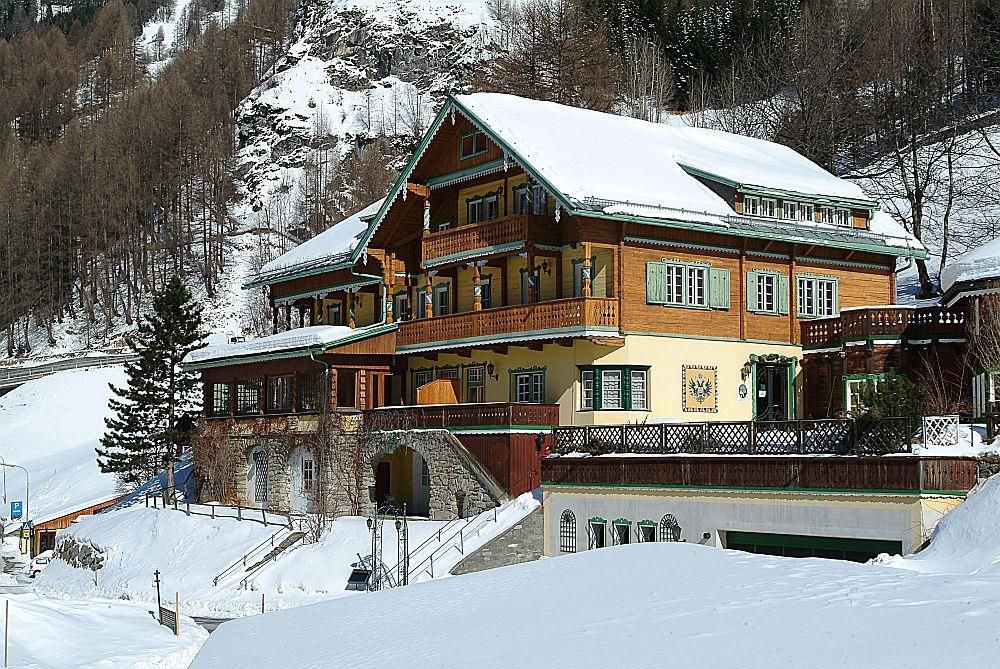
column 152, row 416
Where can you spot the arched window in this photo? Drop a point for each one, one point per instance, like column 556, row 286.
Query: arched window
column 567, row 532
column 669, row 529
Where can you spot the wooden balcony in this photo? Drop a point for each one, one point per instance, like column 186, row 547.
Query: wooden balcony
column 875, row 322
column 498, row 232
column 574, row 312
column 489, row 414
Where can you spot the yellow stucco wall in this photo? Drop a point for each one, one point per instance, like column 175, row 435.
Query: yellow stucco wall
column 664, row 355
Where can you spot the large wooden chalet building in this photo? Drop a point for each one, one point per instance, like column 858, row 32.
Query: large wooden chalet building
column 537, row 264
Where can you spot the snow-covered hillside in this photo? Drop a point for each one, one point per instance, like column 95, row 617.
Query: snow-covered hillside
column 643, row 605
column 189, row 551
column 51, row 426
column 49, row 633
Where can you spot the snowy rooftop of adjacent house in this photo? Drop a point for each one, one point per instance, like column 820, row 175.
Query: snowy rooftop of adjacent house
column 982, row 262
column 313, row 337
column 330, row 246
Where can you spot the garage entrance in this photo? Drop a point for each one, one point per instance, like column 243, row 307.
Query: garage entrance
column 797, row 545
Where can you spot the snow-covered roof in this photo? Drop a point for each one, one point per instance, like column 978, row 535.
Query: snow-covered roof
column 329, row 247
column 315, row 338
column 586, row 154
column 982, row 262
column 598, row 164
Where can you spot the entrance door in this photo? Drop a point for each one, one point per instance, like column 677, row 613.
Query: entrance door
column 772, row 392
column 382, row 472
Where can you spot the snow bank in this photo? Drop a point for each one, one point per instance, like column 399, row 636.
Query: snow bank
column 966, row 541
column 51, row 426
column 189, row 551
column 54, row 634
column 635, row 606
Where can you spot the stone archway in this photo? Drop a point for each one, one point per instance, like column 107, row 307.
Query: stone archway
column 258, row 464
column 457, row 485
column 402, row 481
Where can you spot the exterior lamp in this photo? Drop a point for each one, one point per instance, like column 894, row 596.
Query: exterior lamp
column 491, row 369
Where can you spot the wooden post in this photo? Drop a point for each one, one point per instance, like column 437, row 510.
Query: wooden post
column 6, row 629
column 177, row 614
column 390, row 284
column 532, row 279
column 262, row 602
column 429, row 296
column 585, row 283
column 351, row 323
column 558, row 260
column 742, row 306
column 477, row 288
column 792, row 304
column 274, row 315
column 288, row 317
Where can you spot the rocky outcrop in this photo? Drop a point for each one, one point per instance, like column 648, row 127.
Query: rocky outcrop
column 80, row 553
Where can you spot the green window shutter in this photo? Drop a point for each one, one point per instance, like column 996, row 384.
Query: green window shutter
column 782, row 294
column 626, row 388
column 718, row 284
column 597, row 388
column 752, row 301
column 836, row 296
column 656, row 283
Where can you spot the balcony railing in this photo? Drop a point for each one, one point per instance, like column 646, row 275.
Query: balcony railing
column 498, row 232
column 492, row 414
column 590, row 312
column 854, row 324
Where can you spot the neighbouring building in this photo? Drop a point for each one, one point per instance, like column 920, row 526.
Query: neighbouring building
column 536, row 265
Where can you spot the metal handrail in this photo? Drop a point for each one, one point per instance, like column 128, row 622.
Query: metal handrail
column 246, row 579
column 250, row 554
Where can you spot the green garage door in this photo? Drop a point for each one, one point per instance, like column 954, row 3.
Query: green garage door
column 797, row 545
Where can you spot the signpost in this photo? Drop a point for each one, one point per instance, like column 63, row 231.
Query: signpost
column 16, row 510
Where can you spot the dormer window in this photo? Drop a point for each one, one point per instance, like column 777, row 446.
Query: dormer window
column 760, row 206
column 835, row 216
column 797, row 211
column 473, row 144
column 751, row 205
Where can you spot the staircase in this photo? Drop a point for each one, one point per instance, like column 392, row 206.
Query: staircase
column 263, row 554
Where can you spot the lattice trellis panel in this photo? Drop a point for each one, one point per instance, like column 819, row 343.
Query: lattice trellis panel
column 642, row 439
column 688, row 438
column 608, row 437
column 826, row 436
column 567, row 439
column 940, row 431
column 889, row 435
column 776, row 437
column 728, row 438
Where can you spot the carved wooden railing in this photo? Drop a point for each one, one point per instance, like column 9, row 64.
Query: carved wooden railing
column 503, row 414
column 507, row 230
column 853, row 324
column 597, row 312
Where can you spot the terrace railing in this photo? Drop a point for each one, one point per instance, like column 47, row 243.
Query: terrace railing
column 491, row 234
column 802, row 437
column 499, row 414
column 856, row 324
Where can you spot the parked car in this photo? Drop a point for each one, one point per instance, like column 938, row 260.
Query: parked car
column 40, row 562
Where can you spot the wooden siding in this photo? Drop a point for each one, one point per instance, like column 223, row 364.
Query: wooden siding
column 510, row 458
column 439, row 391
column 903, row 473
column 64, row 521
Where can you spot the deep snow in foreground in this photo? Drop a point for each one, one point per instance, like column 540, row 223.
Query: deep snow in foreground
column 644, row 605
column 51, row 426
column 189, row 551
column 48, row 633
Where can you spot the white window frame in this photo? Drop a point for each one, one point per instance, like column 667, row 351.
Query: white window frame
column 480, row 206
column 696, row 280
column 805, row 296
column 529, row 387
column 639, row 389
column 789, row 210
column 751, row 205
column 308, row 475
column 768, row 207
column 806, row 212
column 587, row 390
column 853, row 387
column 763, row 280
column 676, row 284
column 816, row 297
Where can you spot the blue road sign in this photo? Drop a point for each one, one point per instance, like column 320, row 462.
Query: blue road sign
column 15, row 510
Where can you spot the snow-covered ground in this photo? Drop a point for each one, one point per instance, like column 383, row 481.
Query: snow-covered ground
column 189, row 551
column 48, row 633
column 643, row 605
column 51, row 426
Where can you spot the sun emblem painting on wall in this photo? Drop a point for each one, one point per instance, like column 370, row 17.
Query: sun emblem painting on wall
column 699, row 388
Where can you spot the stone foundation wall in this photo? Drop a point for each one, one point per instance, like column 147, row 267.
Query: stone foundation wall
column 522, row 543
column 79, row 553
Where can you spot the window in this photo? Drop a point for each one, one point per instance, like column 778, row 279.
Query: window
column 692, row 285
column 399, row 307
column 806, row 213
column 308, row 475
column 767, row 292
column 425, row 474
column 222, row 399
column 248, row 396
column 475, row 384
column 835, row 216
column 587, row 389
column 647, row 531
column 421, row 378
column 444, row 224
column 567, row 532
column 483, row 208
column 310, row 391
column 669, row 529
column 526, row 281
column 769, row 208
column 450, row 373
column 280, row 394
column 621, row 532
column 816, row 297
column 333, row 314
column 530, row 199
column 473, row 144
column 751, row 205
column 611, row 389
column 789, row 210
column 614, row 388
column 856, row 385
column 442, row 303
column 529, row 387
column 596, row 531
column 638, row 389
column 486, row 291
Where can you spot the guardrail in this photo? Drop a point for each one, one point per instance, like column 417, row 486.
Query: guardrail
column 787, row 437
column 155, row 500
column 17, row 375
